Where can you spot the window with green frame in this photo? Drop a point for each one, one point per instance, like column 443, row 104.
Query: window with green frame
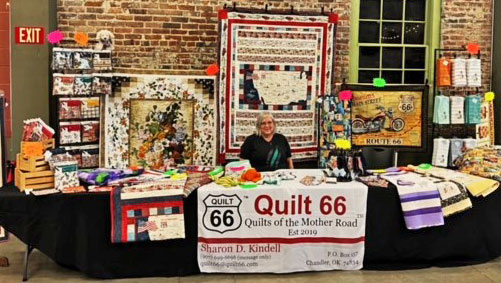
column 392, row 39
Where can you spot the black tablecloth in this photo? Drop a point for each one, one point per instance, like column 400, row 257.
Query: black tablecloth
column 74, row 230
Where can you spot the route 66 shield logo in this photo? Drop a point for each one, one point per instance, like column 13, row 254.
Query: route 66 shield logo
column 221, row 213
column 406, row 103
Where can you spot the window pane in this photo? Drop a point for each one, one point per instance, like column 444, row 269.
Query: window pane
column 414, row 57
column 368, row 32
column 393, row 77
column 415, row 10
column 414, row 77
column 392, row 33
column 392, row 57
column 393, row 9
column 368, row 57
column 370, row 9
column 367, row 76
column 414, row 34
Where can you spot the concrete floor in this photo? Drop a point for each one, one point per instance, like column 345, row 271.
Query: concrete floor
column 43, row 269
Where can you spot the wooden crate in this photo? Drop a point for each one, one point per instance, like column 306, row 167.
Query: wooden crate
column 32, row 164
column 47, row 144
column 34, row 180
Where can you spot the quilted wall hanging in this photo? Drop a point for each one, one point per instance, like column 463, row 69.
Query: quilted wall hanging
column 160, row 130
column 151, row 211
column 394, row 116
column 274, row 63
column 129, row 90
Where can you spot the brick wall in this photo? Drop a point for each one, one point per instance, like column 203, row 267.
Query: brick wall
column 465, row 21
column 180, row 36
column 175, row 36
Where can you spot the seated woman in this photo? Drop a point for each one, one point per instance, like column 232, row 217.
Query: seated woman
column 267, row 150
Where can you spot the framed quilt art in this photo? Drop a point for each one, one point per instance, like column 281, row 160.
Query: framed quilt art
column 160, row 132
column 116, row 116
column 274, row 63
column 394, row 116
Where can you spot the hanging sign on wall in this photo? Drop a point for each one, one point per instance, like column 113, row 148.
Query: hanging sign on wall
column 30, row 35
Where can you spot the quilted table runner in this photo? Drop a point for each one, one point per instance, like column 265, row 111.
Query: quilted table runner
column 148, row 212
column 274, row 63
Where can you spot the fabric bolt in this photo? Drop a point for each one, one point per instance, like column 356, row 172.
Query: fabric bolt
column 70, row 132
column 474, row 72
column 83, row 85
column 441, row 113
column 63, row 84
column 457, row 109
column 82, row 60
column 70, row 108
column 456, row 150
column 62, row 59
column 459, row 72
column 444, row 69
column 419, row 198
column 473, row 109
column 151, row 211
column 440, row 153
column 101, row 60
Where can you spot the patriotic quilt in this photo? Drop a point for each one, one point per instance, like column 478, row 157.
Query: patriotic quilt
column 116, row 145
column 275, row 63
column 148, row 212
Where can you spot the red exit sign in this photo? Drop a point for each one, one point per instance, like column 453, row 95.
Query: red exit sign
column 30, row 35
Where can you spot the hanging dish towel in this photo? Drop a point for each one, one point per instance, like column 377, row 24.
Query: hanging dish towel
column 440, row 152
column 441, row 110
column 457, row 109
column 459, row 72
column 473, row 111
column 444, row 72
column 474, row 72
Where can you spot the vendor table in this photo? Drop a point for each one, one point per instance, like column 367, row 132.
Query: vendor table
column 74, row 230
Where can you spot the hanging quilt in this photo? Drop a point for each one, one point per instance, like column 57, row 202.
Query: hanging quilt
column 274, row 63
column 160, row 130
column 335, row 124
column 148, row 212
column 117, row 148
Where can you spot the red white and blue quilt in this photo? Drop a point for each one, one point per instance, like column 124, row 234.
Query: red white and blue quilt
column 275, row 63
column 148, row 212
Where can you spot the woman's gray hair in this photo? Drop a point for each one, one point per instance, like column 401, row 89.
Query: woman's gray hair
column 260, row 120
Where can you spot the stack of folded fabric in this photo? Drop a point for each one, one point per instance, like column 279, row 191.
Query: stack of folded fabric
column 477, row 186
column 483, row 161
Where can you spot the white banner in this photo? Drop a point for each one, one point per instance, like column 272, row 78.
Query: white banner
column 280, row 229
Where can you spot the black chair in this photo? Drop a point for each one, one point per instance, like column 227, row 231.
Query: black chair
column 378, row 157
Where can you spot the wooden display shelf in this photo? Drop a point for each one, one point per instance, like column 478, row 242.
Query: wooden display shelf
column 34, row 180
column 32, row 164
